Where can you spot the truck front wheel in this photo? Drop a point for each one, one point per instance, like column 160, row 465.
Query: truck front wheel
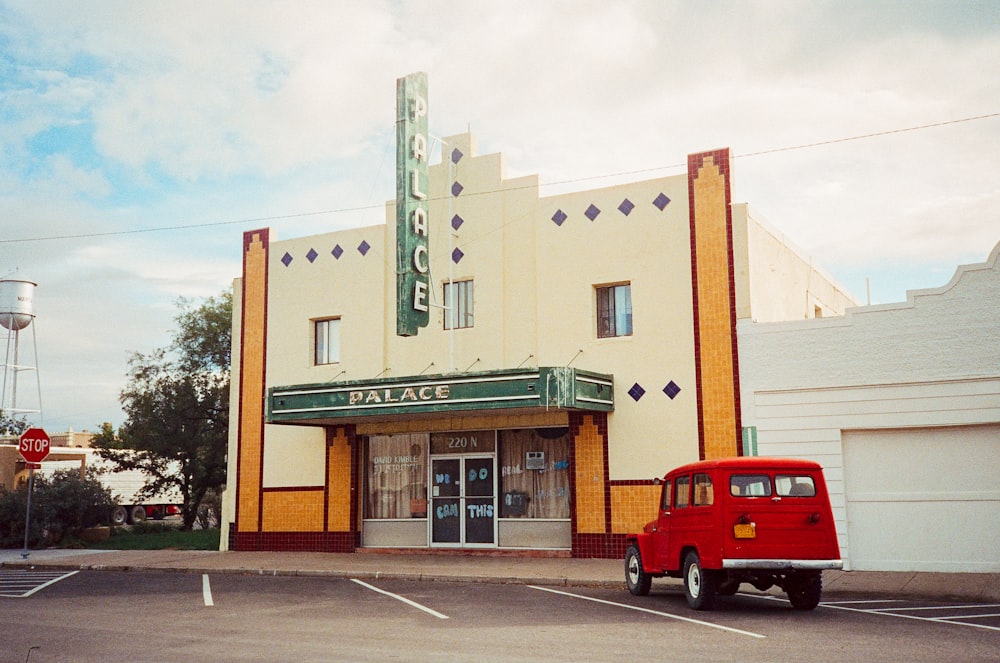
column 636, row 578
column 700, row 586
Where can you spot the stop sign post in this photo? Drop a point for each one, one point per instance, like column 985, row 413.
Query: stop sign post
column 34, row 447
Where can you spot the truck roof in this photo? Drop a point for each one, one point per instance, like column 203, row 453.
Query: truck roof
column 750, row 463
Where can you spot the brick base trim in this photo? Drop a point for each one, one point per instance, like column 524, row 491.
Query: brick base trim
column 340, row 542
column 603, row 546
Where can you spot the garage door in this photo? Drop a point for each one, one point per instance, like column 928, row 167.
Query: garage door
column 923, row 499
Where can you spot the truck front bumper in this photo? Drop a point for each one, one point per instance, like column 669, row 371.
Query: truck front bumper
column 777, row 564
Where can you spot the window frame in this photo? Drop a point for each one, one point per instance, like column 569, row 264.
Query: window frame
column 702, row 480
column 462, row 317
column 740, row 482
column 785, row 485
column 326, row 359
column 667, row 495
column 609, row 299
column 685, row 481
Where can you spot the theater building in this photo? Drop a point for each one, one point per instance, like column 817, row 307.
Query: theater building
column 493, row 369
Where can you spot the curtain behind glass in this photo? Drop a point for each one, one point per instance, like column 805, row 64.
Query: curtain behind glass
column 534, row 493
column 396, row 471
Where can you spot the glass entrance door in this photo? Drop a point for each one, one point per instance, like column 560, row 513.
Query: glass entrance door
column 463, row 501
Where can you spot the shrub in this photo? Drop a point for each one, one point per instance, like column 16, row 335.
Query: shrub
column 13, row 505
column 61, row 505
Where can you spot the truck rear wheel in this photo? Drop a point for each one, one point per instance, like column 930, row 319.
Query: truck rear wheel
column 805, row 592
column 700, row 586
column 119, row 516
column 137, row 514
column 636, row 578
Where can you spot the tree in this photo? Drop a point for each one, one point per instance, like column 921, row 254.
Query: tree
column 12, row 425
column 177, row 408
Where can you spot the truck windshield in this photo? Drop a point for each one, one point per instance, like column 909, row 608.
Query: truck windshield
column 791, row 485
column 750, row 485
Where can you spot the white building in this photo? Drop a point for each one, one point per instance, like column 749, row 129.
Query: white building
column 901, row 405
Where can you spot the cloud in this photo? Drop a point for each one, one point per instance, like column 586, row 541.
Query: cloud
column 120, row 118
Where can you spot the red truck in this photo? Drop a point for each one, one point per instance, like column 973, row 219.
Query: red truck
column 723, row 522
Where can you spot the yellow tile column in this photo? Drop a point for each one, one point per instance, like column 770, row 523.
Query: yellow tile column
column 590, row 502
column 714, row 303
column 339, row 481
column 251, row 392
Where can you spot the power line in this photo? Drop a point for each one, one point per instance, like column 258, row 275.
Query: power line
column 865, row 136
column 344, row 210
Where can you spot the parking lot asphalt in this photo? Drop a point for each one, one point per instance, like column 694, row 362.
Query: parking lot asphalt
column 554, row 571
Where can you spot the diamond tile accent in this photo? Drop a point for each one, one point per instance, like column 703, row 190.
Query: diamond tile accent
column 456, row 222
column 456, row 155
column 626, row 207
column 364, row 247
column 592, row 212
column 671, row 390
column 636, row 392
column 337, row 251
column 312, row 255
column 456, row 189
column 286, row 259
column 559, row 217
column 661, row 201
column 457, row 255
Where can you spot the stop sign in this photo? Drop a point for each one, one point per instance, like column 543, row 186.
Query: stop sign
column 34, row 446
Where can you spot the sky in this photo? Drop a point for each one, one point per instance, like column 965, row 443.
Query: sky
column 140, row 139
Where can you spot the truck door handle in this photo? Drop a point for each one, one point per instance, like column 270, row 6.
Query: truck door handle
column 775, row 499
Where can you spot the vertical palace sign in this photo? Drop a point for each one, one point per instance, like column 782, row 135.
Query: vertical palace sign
column 412, row 264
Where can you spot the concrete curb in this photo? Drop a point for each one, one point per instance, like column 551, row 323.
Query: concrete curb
column 314, row 573
column 568, row 572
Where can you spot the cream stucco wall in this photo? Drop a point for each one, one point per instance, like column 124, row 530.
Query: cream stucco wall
column 535, row 303
column 651, row 250
column 776, row 280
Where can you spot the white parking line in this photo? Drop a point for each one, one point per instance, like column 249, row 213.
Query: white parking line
column 940, row 620
column 401, row 598
column 29, row 582
column 206, row 590
column 840, row 602
column 652, row 612
column 938, row 607
column 971, row 616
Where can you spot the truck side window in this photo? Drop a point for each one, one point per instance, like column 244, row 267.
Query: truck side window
column 682, row 493
column 750, row 485
column 703, row 495
column 665, row 499
column 789, row 485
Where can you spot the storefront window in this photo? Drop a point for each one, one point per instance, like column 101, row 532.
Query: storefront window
column 534, row 473
column 396, row 473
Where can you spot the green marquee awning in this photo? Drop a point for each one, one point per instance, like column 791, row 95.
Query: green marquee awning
column 533, row 389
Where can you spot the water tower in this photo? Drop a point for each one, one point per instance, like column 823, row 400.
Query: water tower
column 16, row 315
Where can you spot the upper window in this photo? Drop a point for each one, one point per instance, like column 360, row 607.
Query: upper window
column 614, row 311
column 327, row 344
column 458, row 305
